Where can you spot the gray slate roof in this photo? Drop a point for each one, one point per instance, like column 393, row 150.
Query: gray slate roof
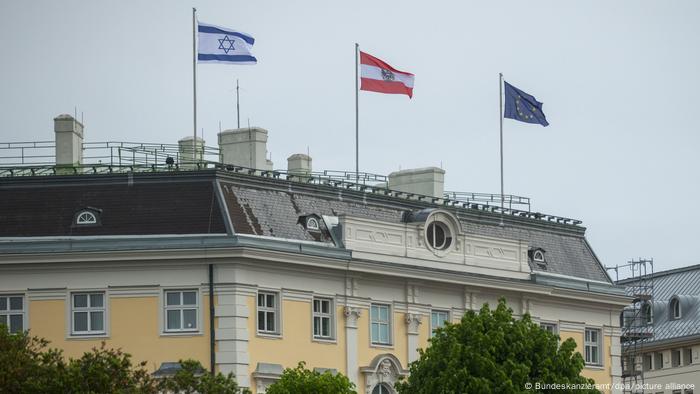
column 274, row 211
column 683, row 283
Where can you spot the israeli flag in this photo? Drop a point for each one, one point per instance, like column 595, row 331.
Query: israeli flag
column 222, row 45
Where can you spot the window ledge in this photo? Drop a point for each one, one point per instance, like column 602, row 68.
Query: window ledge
column 594, row 366
column 181, row 333
column 326, row 341
column 78, row 337
column 268, row 335
column 382, row 345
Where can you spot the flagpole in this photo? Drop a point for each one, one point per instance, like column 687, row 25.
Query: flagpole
column 194, row 81
column 238, row 106
column 357, row 117
column 500, row 119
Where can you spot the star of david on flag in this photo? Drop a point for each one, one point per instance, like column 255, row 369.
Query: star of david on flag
column 522, row 106
column 223, row 45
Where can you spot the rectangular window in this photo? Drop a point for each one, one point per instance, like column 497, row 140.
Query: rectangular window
column 380, row 318
column 12, row 312
column 549, row 327
column 268, row 313
column 648, row 359
column 675, row 358
column 592, row 345
column 181, row 310
column 437, row 320
column 687, row 356
column 88, row 313
column 658, row 360
column 323, row 318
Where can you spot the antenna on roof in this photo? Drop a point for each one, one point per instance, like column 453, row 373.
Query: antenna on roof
column 248, row 123
column 307, row 151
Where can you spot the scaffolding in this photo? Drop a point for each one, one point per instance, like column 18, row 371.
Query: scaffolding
column 636, row 321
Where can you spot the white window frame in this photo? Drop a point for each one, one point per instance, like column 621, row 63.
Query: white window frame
column 390, row 339
column 676, row 304
column 598, row 345
column 182, row 307
column 687, row 356
column 320, row 315
column 88, row 310
column 92, row 218
column 14, row 312
column 554, row 326
column 658, row 359
column 650, row 358
column 277, row 310
column 432, row 326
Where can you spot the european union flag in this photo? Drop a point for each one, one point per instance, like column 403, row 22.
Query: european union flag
column 522, row 106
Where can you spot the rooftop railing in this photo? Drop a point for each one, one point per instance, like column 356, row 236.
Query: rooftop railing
column 38, row 159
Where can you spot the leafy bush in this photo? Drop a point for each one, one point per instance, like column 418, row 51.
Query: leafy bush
column 300, row 380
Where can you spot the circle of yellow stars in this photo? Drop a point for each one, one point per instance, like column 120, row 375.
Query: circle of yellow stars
column 520, row 112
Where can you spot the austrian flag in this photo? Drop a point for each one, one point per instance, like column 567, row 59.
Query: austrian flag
column 377, row 76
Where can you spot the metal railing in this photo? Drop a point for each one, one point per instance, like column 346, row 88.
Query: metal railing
column 489, row 198
column 38, row 159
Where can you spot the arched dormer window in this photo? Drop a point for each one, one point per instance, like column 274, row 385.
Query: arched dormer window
column 312, row 224
column 675, row 308
column 647, row 313
column 87, row 217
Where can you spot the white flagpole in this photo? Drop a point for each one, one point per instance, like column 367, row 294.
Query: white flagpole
column 194, row 81
column 500, row 119
column 357, row 116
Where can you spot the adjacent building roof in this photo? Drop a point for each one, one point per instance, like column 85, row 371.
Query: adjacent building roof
column 682, row 284
column 217, row 202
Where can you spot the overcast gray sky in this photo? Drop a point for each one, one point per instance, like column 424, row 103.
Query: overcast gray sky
column 619, row 82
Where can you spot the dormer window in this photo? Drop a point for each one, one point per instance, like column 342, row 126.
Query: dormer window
column 675, row 308
column 538, row 256
column 87, row 217
column 312, row 224
column 438, row 235
column 647, row 313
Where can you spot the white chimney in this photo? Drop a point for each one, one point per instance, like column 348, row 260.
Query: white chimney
column 69, row 140
column 299, row 166
column 429, row 181
column 245, row 147
column 185, row 151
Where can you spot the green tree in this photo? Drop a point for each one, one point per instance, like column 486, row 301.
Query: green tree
column 491, row 352
column 300, row 380
column 27, row 365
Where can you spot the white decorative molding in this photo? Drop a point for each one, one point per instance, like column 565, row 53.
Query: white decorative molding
column 46, row 294
column 412, row 294
column 351, row 316
column 413, row 321
column 385, row 368
column 351, row 287
column 232, row 335
column 404, row 243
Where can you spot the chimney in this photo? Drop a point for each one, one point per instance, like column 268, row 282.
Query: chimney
column 245, row 147
column 299, row 166
column 185, row 152
column 429, row 181
column 69, row 141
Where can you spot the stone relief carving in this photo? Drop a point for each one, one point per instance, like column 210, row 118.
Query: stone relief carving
column 351, row 315
column 413, row 321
